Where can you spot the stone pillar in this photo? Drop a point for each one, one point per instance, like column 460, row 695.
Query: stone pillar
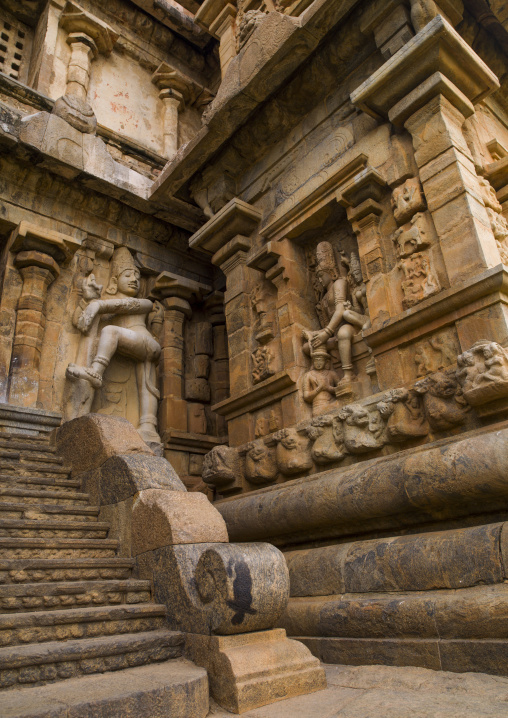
column 175, row 294
column 227, row 238
column 173, row 407
column 87, row 37
column 38, row 255
column 176, row 90
column 218, row 17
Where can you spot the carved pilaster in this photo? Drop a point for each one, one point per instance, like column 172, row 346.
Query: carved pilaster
column 218, row 18
column 39, row 254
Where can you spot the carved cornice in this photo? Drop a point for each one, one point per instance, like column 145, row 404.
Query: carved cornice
column 31, row 237
column 76, row 20
column 235, row 218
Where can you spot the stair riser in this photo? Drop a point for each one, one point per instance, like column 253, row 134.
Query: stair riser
column 71, row 631
column 50, row 672
column 54, row 533
column 72, row 600
column 29, row 483
column 39, row 472
column 50, row 575
column 33, row 553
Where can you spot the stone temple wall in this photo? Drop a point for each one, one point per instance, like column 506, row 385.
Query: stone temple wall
column 314, row 200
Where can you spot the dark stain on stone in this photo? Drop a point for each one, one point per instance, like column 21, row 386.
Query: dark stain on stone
column 242, row 590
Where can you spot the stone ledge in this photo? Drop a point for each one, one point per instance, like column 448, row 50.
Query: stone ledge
column 266, row 392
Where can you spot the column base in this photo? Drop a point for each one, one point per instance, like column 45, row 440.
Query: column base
column 250, row 670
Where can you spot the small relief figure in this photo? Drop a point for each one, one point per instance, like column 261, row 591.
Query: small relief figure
column 221, row 467
column 260, row 466
column 343, row 321
column 260, row 300
column 410, row 240
column 292, row 453
column 363, row 430
column 407, row 200
column 406, row 419
column 483, row 372
column 443, row 400
column 328, row 443
column 498, row 222
column 319, row 383
column 420, row 281
column 262, row 360
column 436, row 353
column 125, row 332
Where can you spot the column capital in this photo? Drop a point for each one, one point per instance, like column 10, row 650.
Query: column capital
column 212, row 14
column 236, row 218
column 437, row 52
column 175, row 84
column 28, row 237
column 83, row 27
column 168, row 285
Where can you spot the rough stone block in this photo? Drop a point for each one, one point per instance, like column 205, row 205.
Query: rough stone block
column 85, row 443
column 255, row 669
column 165, row 518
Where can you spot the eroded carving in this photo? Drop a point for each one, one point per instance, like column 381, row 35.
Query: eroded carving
column 292, row 452
column 407, row 200
column 328, row 441
column 363, row 430
column 483, row 372
column 419, row 281
column 443, row 400
column 260, row 465
column 221, row 467
column 406, row 419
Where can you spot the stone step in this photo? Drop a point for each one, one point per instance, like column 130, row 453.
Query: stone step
column 38, row 470
column 27, row 458
column 26, row 528
column 13, row 510
column 74, row 623
column 40, row 663
column 12, row 548
column 176, row 689
column 41, row 484
column 26, row 444
column 70, row 594
column 64, row 569
column 14, row 494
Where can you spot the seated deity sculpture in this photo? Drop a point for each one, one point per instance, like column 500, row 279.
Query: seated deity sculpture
column 124, row 318
column 343, row 311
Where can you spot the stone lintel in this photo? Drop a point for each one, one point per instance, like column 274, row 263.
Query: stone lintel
column 171, row 285
column 266, row 392
column 188, row 441
column 290, row 218
column 450, row 303
column 28, row 237
column 235, row 218
column 76, row 20
column 438, row 48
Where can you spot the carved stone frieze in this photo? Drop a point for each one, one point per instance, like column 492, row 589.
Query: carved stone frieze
column 420, row 281
column 443, row 400
column 407, row 200
column 292, row 453
column 483, row 373
column 260, row 464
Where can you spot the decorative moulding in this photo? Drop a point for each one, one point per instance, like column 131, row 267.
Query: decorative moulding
column 438, row 48
column 172, row 285
column 266, row 392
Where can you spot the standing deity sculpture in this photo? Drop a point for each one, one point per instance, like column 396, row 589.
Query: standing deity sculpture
column 319, row 383
column 123, row 324
column 342, row 308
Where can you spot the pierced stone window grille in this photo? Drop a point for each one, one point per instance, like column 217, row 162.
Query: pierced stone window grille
column 15, row 48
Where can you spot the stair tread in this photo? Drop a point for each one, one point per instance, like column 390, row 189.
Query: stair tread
column 54, row 524
column 48, row 508
column 14, row 491
column 83, row 694
column 74, row 615
column 54, row 651
column 54, row 587
column 46, row 563
column 35, row 542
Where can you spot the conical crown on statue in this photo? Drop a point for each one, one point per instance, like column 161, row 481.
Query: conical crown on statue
column 122, row 260
column 325, row 258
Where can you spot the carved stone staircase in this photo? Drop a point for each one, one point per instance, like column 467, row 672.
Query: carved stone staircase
column 69, row 609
